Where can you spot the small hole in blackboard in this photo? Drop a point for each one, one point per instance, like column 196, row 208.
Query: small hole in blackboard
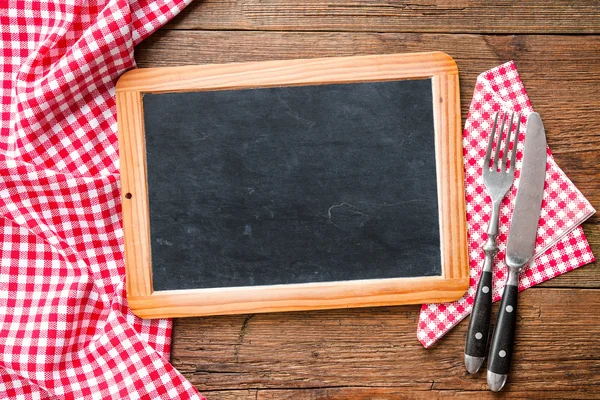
column 128, row 195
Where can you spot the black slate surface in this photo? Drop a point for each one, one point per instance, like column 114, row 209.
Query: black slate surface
column 292, row 185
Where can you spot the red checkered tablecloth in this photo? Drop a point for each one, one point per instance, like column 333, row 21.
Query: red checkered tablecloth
column 65, row 328
column 561, row 244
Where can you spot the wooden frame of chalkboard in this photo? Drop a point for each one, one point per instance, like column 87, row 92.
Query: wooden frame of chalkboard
column 450, row 285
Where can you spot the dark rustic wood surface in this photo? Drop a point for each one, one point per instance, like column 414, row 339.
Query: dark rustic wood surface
column 373, row 353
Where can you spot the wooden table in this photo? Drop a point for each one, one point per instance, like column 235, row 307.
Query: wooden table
column 374, row 353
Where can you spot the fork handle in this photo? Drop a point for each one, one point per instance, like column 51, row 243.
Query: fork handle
column 501, row 349
column 479, row 324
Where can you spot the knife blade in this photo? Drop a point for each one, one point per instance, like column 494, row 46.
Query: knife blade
column 520, row 247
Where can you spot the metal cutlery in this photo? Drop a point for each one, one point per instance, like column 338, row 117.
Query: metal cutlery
column 520, row 248
column 497, row 180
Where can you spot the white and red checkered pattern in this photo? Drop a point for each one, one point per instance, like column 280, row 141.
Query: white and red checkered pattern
column 65, row 328
column 561, row 244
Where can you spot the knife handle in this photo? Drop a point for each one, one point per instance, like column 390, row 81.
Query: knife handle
column 479, row 325
column 501, row 349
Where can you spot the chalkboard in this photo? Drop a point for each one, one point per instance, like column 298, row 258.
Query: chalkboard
column 293, row 186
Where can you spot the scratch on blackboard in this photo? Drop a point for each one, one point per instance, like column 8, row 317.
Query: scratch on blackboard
column 295, row 114
column 271, row 213
column 353, row 210
column 261, row 138
column 404, row 139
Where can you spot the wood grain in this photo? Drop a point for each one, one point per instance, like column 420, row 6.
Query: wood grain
column 450, row 171
column 454, row 281
column 362, row 393
column 386, row 393
column 327, row 353
column 293, row 297
column 135, row 209
column 514, row 16
column 312, row 71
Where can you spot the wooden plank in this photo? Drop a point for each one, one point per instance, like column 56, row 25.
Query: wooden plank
column 552, row 80
column 361, row 393
column 359, row 293
column 310, row 71
column 450, row 175
column 135, row 208
column 556, row 349
column 243, row 394
column 293, row 297
column 514, row 16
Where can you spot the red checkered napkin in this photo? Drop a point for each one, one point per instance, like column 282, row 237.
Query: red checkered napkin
column 65, row 328
column 561, row 244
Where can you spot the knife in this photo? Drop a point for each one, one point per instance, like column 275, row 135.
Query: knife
column 520, row 248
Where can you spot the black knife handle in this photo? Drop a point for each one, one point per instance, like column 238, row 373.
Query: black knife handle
column 479, row 325
column 501, row 349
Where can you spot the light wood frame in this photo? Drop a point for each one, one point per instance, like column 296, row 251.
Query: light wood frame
column 452, row 284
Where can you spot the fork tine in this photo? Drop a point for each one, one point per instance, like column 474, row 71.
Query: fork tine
column 499, row 142
column 513, row 156
column 506, row 142
column 488, row 152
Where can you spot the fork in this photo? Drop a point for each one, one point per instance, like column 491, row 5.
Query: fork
column 497, row 182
